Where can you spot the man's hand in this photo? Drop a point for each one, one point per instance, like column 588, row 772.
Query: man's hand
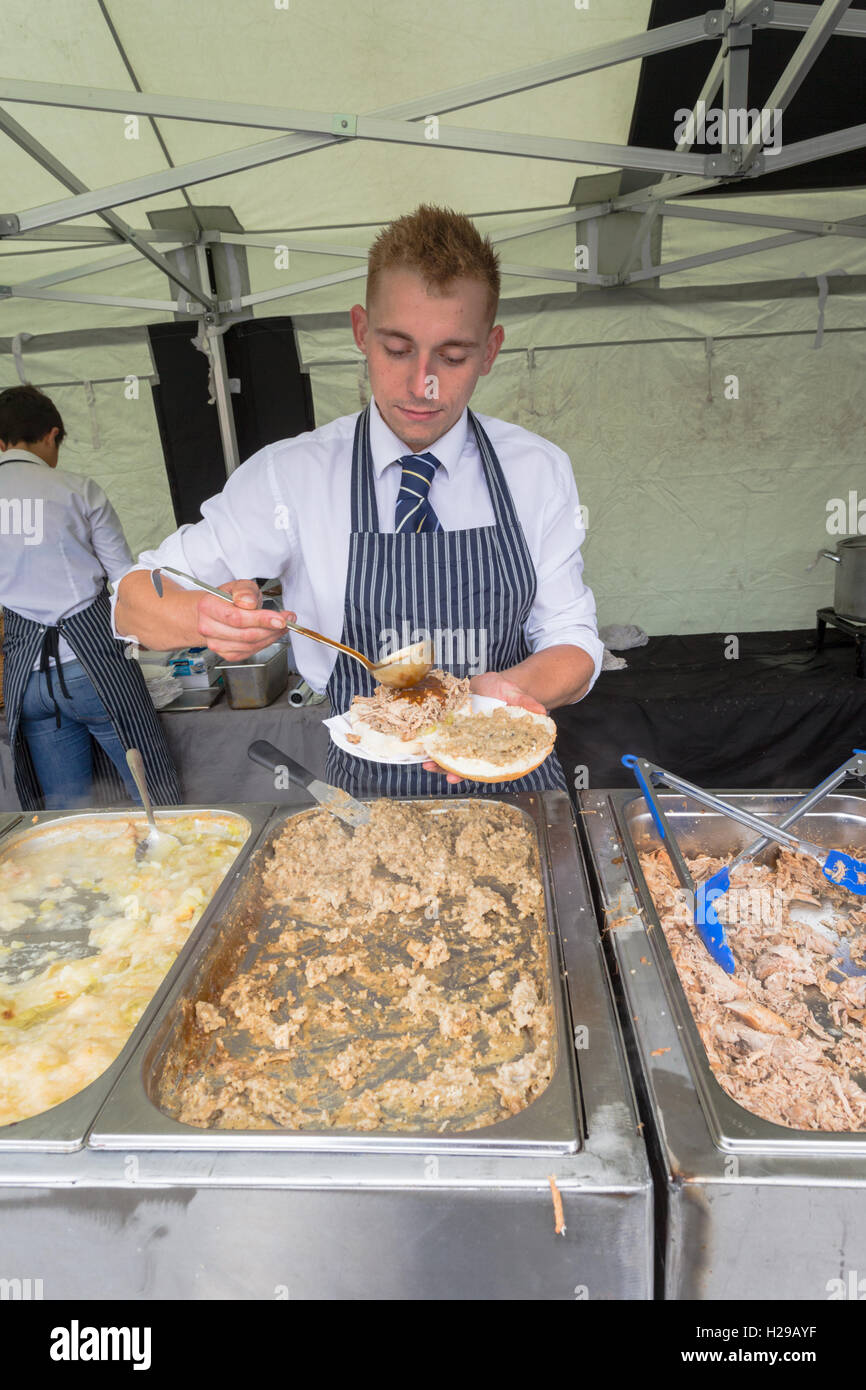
column 239, row 631
column 499, row 687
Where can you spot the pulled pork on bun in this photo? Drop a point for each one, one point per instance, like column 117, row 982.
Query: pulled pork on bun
column 390, row 723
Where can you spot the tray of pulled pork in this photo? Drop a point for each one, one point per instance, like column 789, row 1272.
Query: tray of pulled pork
column 778, row 1048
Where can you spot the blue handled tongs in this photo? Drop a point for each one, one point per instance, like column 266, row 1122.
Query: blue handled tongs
column 840, row 868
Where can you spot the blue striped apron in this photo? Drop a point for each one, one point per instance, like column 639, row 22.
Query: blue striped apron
column 472, row 582
column 120, row 686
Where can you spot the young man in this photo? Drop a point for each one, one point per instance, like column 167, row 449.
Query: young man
column 415, row 515
column 67, row 685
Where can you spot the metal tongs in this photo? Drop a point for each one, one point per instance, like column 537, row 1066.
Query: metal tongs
column 841, row 869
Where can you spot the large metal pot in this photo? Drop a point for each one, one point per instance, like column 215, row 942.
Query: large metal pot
column 849, row 598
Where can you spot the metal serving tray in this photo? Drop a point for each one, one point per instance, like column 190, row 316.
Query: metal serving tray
column 64, row 1127
column 8, row 820
column 255, row 684
column 840, row 821
column 131, row 1118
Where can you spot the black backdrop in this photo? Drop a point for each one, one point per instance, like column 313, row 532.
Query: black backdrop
column 832, row 97
column 275, row 402
column 781, row 715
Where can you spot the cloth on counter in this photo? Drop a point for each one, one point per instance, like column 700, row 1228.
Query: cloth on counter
column 609, row 662
column 620, row 637
column 162, row 687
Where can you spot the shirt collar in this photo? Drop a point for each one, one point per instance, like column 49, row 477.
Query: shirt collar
column 386, row 448
column 22, row 456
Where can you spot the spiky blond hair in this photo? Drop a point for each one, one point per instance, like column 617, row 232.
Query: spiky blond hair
column 440, row 245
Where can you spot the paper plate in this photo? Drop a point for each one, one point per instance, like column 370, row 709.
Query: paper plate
column 338, row 726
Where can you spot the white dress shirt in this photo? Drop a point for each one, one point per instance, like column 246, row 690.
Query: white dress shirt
column 285, row 513
column 59, row 539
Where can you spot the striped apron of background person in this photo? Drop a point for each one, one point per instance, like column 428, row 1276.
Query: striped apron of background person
column 120, row 686
column 475, row 586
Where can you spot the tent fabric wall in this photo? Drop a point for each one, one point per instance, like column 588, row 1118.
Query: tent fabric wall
column 116, row 440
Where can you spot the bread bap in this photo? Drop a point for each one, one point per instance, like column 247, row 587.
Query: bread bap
column 497, row 746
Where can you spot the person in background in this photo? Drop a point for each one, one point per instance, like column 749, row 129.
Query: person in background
column 74, row 704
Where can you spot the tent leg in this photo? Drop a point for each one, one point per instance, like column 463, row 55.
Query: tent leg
column 222, row 392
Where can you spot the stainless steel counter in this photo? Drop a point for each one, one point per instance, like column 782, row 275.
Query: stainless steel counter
column 748, row 1209
column 439, row 1222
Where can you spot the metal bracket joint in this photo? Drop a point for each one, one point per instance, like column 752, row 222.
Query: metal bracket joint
column 717, row 22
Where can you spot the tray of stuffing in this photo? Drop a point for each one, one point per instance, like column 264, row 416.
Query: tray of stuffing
column 396, row 986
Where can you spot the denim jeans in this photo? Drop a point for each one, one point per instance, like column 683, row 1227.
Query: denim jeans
column 63, row 757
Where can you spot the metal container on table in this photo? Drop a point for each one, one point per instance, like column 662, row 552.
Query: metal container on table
column 469, row 1215
column 752, row 1209
column 256, row 683
column 849, row 598
column 64, row 1127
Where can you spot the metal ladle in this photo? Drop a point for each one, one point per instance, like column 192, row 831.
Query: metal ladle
column 403, row 668
column 157, row 843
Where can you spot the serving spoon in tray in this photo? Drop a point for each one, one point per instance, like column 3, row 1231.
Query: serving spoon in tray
column 157, row 843
column 398, row 671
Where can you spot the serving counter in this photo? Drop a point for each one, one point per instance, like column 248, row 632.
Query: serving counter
column 555, row 1202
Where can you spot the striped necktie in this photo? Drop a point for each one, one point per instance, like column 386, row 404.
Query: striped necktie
column 414, row 512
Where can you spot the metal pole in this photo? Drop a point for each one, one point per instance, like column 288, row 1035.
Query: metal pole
column 214, row 331
column 801, row 16
column 222, row 391
column 47, row 160
column 802, row 60
column 645, row 226
column 663, row 39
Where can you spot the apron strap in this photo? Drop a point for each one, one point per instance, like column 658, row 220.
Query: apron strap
column 500, row 493
column 49, row 648
column 364, row 508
